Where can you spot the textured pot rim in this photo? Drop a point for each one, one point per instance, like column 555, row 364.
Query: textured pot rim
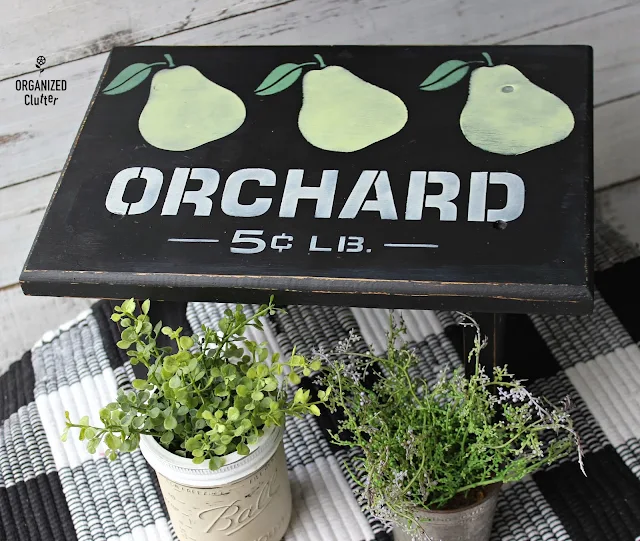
column 184, row 472
column 494, row 490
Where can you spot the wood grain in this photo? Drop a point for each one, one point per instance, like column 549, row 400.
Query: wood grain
column 67, row 30
column 616, row 141
column 618, row 206
column 24, row 320
column 616, row 58
column 35, row 141
column 21, row 210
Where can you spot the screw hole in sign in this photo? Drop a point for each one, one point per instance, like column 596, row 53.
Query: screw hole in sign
column 502, row 225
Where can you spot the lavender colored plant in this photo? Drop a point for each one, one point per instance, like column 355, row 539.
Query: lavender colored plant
column 436, row 444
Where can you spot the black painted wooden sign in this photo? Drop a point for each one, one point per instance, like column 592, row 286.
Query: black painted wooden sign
column 434, row 177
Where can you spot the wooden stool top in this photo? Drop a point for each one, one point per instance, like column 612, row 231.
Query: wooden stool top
column 425, row 177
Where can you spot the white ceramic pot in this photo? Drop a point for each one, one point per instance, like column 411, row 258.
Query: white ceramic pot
column 248, row 499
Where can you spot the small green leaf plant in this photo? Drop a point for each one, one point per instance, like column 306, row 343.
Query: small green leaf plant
column 435, row 444
column 207, row 397
column 452, row 71
column 133, row 75
column 285, row 75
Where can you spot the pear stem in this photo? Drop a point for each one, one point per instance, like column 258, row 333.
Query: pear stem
column 170, row 60
column 320, row 60
column 488, row 59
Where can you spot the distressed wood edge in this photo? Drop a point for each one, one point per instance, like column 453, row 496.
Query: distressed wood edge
column 519, row 298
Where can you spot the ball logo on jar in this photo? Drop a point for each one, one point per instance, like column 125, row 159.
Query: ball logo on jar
column 234, row 516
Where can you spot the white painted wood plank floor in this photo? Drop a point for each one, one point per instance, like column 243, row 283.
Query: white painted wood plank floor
column 75, row 36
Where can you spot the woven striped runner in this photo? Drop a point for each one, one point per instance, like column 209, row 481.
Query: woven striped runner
column 55, row 491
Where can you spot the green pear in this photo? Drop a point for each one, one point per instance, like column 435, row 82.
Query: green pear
column 508, row 114
column 343, row 113
column 186, row 110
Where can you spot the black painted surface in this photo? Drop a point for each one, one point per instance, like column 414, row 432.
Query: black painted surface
column 541, row 262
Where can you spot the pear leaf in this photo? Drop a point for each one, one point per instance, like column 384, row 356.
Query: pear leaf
column 445, row 75
column 128, row 78
column 279, row 79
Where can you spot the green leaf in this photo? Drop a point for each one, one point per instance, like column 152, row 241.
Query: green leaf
column 139, row 384
column 128, row 78
column 216, row 462
column 315, row 410
column 84, row 421
column 297, row 360
column 171, row 364
column 183, row 410
column 298, row 397
column 145, row 306
column 233, row 413
column 114, row 443
column 294, row 378
column 129, row 305
column 220, row 450
column 175, row 382
column 279, row 79
column 116, row 317
column 271, row 384
column 242, row 449
column 129, row 334
column 198, row 460
column 167, row 437
column 123, row 344
column 170, row 422
column 186, row 342
column 445, row 75
column 92, row 445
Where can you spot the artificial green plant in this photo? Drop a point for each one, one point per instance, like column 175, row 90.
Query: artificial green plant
column 207, row 397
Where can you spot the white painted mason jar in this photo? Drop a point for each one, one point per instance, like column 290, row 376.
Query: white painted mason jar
column 248, row 499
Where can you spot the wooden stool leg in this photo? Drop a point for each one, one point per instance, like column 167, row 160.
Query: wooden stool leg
column 493, row 327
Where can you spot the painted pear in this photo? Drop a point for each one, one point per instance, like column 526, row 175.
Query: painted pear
column 508, row 114
column 343, row 113
column 186, row 110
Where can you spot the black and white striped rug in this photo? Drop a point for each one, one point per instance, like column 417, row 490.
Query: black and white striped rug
column 55, row 491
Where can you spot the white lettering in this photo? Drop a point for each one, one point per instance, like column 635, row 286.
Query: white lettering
column 323, row 194
column 477, row 197
column 115, row 202
column 313, row 245
column 230, row 203
column 443, row 201
column 515, row 197
column 200, row 198
column 383, row 203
